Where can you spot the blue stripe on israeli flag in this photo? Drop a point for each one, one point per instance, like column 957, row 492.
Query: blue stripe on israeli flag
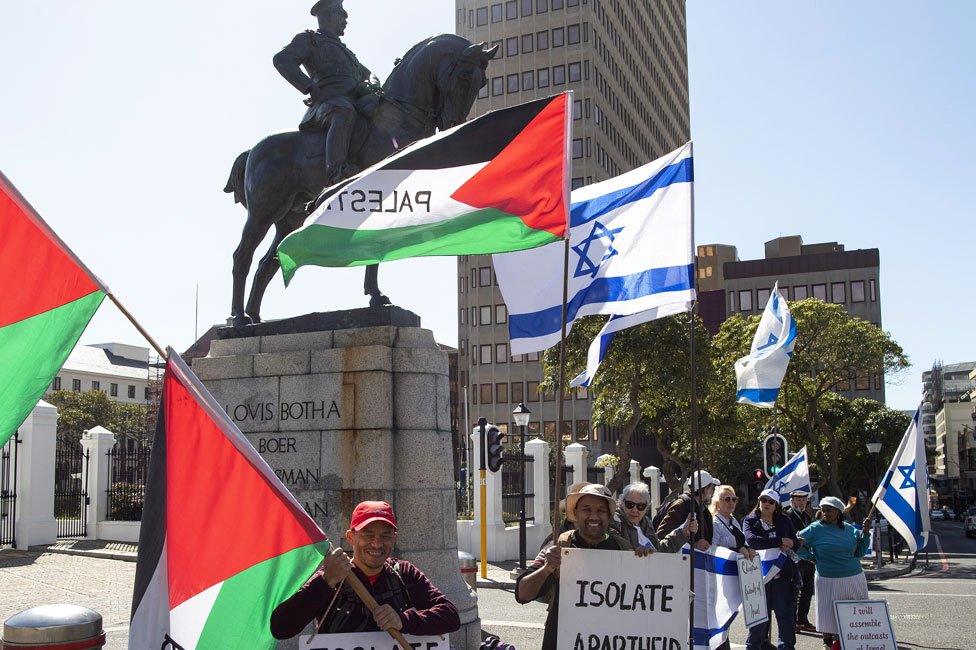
column 760, row 374
column 902, row 497
column 631, row 251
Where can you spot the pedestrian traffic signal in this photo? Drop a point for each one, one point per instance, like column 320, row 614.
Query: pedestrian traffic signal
column 496, row 447
column 760, row 479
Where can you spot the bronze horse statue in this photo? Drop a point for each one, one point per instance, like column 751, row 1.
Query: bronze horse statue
column 432, row 87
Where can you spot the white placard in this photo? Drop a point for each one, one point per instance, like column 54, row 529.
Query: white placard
column 370, row 641
column 864, row 625
column 754, row 608
column 606, row 597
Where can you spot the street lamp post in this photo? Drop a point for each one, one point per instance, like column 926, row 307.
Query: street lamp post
column 874, row 448
column 521, row 414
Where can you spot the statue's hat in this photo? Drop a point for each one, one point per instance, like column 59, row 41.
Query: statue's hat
column 323, row 6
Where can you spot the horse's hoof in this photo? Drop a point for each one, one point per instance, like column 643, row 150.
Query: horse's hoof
column 379, row 300
column 241, row 320
column 255, row 318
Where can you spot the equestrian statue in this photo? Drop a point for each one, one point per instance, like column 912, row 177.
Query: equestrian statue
column 351, row 123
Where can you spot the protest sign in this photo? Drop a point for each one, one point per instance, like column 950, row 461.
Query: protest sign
column 864, row 625
column 618, row 600
column 754, row 608
column 370, row 641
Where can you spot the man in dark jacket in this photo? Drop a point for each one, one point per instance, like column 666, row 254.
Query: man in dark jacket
column 408, row 601
column 699, row 488
column 800, row 515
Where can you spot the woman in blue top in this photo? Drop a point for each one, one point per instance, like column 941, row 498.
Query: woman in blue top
column 767, row 527
column 836, row 547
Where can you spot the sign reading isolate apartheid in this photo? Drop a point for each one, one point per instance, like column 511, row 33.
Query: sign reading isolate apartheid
column 864, row 625
column 618, row 601
column 369, row 641
column 754, row 608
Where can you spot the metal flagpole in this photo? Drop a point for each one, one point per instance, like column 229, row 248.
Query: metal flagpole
column 695, row 451
column 558, row 443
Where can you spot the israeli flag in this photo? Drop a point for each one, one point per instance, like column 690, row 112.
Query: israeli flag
column 902, row 497
column 631, row 251
column 718, row 597
column 760, row 375
column 795, row 475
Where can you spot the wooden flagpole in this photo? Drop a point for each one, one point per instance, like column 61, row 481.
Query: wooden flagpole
column 695, row 480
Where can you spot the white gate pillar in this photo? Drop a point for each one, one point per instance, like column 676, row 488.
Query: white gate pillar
column 97, row 442
column 35, row 523
column 542, row 517
column 576, row 457
column 635, row 469
column 653, row 476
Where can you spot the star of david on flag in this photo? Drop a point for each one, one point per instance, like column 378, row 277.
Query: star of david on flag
column 902, row 498
column 586, row 266
column 760, row 374
column 631, row 252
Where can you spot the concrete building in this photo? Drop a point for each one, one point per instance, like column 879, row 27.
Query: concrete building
column 948, row 426
column 121, row 370
column 826, row 271
column 626, row 63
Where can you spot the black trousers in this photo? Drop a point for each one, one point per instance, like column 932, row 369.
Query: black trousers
column 807, row 572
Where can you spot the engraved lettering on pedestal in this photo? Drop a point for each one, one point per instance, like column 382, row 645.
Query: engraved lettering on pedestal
column 295, row 459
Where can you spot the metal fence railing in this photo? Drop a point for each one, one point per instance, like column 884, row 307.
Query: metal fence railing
column 511, row 482
column 596, row 475
column 128, row 470
column 8, row 491
column 71, row 489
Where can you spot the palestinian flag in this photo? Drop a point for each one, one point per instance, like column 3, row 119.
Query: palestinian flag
column 223, row 542
column 496, row 184
column 48, row 298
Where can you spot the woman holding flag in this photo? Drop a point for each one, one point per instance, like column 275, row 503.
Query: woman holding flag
column 836, row 547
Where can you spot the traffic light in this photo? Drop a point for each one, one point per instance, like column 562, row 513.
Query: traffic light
column 759, row 478
column 775, row 449
column 496, row 447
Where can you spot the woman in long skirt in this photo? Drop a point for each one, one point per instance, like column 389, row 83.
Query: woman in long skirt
column 836, row 547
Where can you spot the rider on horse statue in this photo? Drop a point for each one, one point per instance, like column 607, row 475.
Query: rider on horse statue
column 336, row 82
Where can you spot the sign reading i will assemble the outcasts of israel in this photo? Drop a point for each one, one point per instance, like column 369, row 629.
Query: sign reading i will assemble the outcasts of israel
column 864, row 625
column 618, row 601
column 370, row 641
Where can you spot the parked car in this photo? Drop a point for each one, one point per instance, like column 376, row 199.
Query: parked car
column 950, row 514
column 937, row 515
column 969, row 525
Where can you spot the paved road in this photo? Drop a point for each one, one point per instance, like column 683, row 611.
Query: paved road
column 933, row 609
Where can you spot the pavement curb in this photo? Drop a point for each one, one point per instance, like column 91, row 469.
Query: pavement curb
column 101, row 555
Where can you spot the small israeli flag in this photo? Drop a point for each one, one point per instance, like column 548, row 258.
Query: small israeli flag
column 760, row 375
column 795, row 475
column 902, row 497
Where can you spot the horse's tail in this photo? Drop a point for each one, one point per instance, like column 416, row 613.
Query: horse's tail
column 235, row 184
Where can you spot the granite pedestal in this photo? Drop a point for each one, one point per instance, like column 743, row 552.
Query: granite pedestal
column 344, row 413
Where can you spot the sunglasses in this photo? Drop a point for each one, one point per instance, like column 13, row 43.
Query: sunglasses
column 767, row 501
column 630, row 505
column 730, row 499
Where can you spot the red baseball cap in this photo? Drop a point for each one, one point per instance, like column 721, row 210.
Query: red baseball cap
column 369, row 511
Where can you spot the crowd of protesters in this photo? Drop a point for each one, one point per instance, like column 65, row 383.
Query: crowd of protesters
column 822, row 552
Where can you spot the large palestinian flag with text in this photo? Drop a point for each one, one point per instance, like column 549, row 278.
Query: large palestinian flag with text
column 223, row 542
column 496, row 184
column 47, row 298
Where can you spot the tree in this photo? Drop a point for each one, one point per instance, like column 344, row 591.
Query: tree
column 78, row 412
column 644, row 384
column 832, row 349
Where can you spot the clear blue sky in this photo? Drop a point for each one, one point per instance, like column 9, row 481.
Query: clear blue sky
column 832, row 120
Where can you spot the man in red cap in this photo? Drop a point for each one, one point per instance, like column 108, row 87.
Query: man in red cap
column 407, row 600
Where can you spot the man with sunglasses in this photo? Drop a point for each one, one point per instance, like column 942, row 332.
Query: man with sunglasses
column 632, row 522
column 800, row 514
